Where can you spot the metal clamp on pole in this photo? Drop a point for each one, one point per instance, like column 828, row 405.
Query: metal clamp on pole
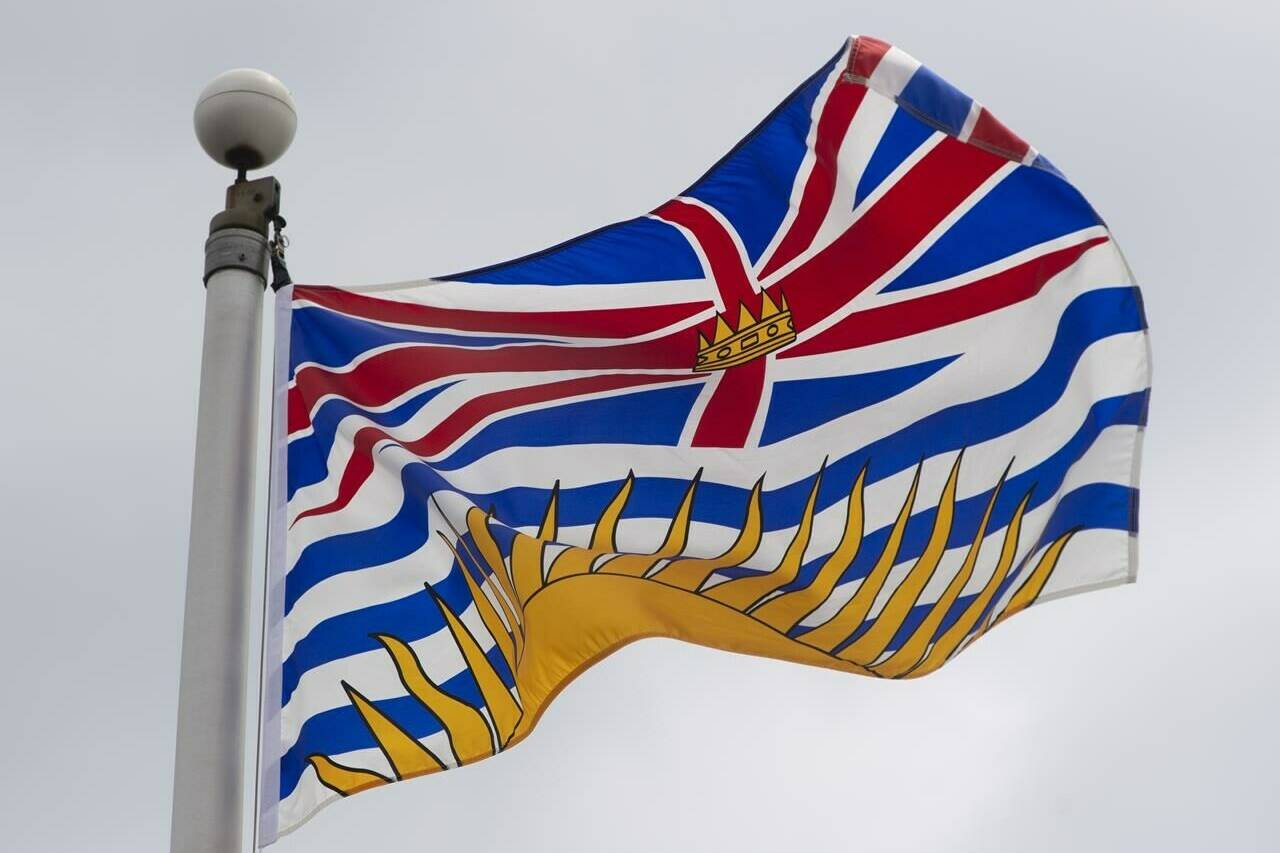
column 245, row 120
column 238, row 235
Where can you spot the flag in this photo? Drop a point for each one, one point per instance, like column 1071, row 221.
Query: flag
column 874, row 383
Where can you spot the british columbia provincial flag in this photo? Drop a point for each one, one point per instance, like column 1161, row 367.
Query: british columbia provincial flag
column 874, row 383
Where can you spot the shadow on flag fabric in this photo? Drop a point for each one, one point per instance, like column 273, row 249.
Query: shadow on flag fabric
column 873, row 384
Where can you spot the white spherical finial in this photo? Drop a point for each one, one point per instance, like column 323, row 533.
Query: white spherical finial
column 245, row 119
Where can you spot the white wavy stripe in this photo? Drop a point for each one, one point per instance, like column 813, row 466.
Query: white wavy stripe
column 374, row 675
column 1097, row 558
column 999, row 340
column 514, row 298
column 983, row 464
column 1106, row 461
column 1107, row 562
column 1096, row 376
column 586, row 464
column 801, row 178
column 450, row 400
column 349, row 591
column 1000, row 363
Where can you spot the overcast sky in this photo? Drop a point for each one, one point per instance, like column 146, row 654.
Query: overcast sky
column 439, row 136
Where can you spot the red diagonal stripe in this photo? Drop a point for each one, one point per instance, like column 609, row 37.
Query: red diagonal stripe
column 898, row 222
column 594, row 323
column 727, row 266
column 900, row 319
column 462, row 419
column 819, row 188
column 727, row 419
column 387, row 375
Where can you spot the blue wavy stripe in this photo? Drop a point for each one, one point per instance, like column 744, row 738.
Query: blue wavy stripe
column 1030, row 206
column 1089, row 318
column 1090, row 506
column 352, row 632
column 799, row 405
column 332, row 339
column 339, row 730
column 1042, row 482
column 308, row 457
column 1096, row 506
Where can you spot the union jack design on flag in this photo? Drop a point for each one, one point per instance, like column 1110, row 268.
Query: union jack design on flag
column 874, row 383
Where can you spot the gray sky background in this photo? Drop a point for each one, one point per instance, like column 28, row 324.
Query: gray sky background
column 437, row 136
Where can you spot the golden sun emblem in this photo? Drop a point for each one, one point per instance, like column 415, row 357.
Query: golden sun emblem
column 550, row 622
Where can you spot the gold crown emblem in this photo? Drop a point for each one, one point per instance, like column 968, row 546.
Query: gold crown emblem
column 752, row 337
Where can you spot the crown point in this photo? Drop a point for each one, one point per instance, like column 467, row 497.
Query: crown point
column 703, row 343
column 744, row 316
column 768, row 307
column 722, row 329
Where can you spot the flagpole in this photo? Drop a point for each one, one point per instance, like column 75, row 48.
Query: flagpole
column 244, row 119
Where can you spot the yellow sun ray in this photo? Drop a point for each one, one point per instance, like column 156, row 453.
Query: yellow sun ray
column 1034, row 584
column 951, row 639
column 503, row 709
column 478, row 526
column 604, row 536
column 638, row 565
column 786, row 610
column 577, row 561
column 620, row 602
column 526, row 566
column 345, row 780
column 550, row 527
column 492, row 623
column 876, row 639
column 741, row 593
column 910, row 652
column 829, row 634
column 691, row 572
column 510, row 617
column 407, row 756
column 527, row 551
column 469, row 734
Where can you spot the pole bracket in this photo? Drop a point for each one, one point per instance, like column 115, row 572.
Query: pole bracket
column 250, row 204
column 238, row 234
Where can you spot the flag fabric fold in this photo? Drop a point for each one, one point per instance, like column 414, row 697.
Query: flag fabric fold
column 873, row 384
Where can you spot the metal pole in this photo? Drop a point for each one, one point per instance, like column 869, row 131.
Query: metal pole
column 208, row 790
